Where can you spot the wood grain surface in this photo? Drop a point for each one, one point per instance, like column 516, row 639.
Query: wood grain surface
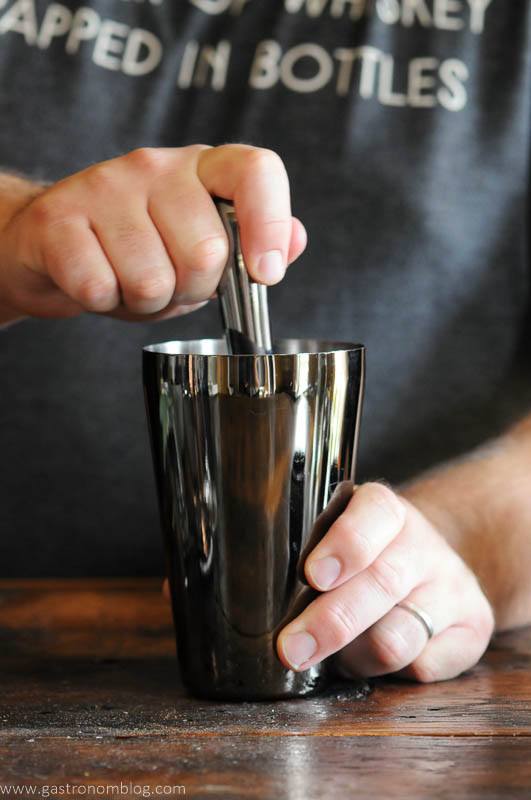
column 90, row 696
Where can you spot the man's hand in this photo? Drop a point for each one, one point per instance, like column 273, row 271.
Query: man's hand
column 379, row 552
column 139, row 236
column 390, row 548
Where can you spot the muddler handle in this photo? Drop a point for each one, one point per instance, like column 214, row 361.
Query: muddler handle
column 243, row 302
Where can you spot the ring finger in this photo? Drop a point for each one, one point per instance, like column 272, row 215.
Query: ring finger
column 399, row 637
column 139, row 258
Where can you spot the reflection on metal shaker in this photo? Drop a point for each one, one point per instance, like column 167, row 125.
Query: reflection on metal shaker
column 254, row 458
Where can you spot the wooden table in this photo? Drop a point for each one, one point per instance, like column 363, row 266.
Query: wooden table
column 90, row 697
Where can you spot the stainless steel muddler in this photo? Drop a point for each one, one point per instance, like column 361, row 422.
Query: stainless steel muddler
column 243, row 302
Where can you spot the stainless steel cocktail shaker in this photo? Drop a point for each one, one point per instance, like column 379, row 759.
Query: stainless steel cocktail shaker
column 248, row 451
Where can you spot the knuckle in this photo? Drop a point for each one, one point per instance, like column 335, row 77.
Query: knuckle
column 390, row 649
column 208, row 255
column 152, row 285
column 97, row 293
column 362, row 546
column 341, row 623
column 389, row 575
column 262, row 159
column 46, row 212
column 358, row 547
column 102, row 178
column 385, row 499
column 151, row 159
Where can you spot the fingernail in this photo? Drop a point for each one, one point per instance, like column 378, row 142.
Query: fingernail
column 324, row 571
column 298, row 648
column 271, row 266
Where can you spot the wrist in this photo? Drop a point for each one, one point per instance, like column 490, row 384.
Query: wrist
column 480, row 505
column 454, row 499
column 16, row 193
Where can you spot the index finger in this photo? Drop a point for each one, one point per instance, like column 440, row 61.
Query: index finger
column 256, row 181
column 337, row 617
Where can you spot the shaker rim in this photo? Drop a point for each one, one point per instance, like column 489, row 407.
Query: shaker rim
column 281, row 347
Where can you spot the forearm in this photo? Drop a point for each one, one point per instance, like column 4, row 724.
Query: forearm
column 482, row 505
column 15, row 194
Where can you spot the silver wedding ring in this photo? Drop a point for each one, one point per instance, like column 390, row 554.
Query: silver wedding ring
column 419, row 614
